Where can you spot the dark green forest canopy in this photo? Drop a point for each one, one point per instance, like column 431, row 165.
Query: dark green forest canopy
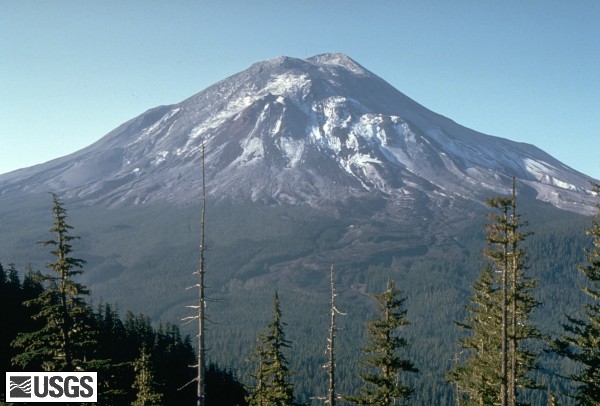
column 436, row 275
column 121, row 341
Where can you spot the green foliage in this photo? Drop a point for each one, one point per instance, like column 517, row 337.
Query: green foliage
column 15, row 317
column 223, row 388
column 253, row 248
column 65, row 338
column 500, row 356
column 480, row 374
column 117, row 344
column 96, row 340
column 382, row 385
column 581, row 341
column 122, row 342
column 273, row 386
column 145, row 385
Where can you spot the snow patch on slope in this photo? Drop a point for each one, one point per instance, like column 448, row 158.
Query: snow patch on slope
column 161, row 157
column 156, row 126
column 292, row 149
column 339, row 59
column 287, row 85
column 546, row 173
column 252, row 151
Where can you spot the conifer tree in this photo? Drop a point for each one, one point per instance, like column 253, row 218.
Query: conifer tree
column 499, row 358
column 11, row 312
column 478, row 377
column 581, row 341
column 145, row 384
column 382, row 385
column 113, row 357
column 257, row 395
column 223, row 387
column 497, row 252
column 60, row 344
column 16, row 318
column 273, row 386
column 31, row 287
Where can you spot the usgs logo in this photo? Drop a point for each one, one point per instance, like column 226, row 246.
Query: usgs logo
column 51, row 387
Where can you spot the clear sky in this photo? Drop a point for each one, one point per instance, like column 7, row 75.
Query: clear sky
column 71, row 71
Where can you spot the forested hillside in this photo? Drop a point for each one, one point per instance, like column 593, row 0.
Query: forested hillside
column 435, row 288
column 253, row 189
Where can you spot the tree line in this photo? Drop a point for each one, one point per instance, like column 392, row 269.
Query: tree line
column 51, row 327
column 501, row 345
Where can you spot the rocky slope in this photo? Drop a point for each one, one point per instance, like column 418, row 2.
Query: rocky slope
column 319, row 130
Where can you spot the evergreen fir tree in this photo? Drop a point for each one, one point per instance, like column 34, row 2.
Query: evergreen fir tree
column 12, row 277
column 145, row 384
column 10, row 313
column 16, row 318
column 382, row 385
column 273, row 386
column 31, row 287
column 113, row 357
column 223, row 388
column 257, row 395
column 173, row 354
column 581, row 341
column 478, row 378
column 61, row 342
column 500, row 357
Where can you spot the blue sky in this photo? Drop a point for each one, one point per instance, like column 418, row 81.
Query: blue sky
column 71, row 71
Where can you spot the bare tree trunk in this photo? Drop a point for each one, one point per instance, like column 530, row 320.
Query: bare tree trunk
column 201, row 298
column 504, row 355
column 331, row 344
column 512, row 387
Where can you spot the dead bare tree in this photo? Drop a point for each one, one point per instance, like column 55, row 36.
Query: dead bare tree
column 200, row 316
column 331, row 395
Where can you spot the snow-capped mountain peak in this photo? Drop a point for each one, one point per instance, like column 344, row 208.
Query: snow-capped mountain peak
column 313, row 130
column 339, row 60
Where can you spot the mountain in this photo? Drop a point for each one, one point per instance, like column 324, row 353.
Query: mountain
column 308, row 162
column 317, row 131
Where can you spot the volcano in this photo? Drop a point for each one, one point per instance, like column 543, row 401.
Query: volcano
column 307, row 162
column 314, row 131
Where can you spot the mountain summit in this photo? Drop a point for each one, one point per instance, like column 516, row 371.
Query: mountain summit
column 290, row 130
